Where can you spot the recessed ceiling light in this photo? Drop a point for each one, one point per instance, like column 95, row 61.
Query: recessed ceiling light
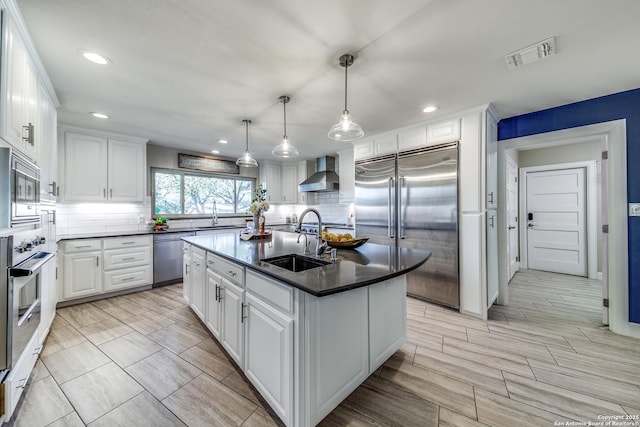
column 223, row 141
column 99, row 115
column 95, row 58
column 430, row 109
column 215, row 151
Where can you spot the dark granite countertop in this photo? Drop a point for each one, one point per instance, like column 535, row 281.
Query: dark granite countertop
column 369, row 264
column 101, row 234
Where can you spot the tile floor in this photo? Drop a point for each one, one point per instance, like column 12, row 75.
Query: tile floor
column 145, row 360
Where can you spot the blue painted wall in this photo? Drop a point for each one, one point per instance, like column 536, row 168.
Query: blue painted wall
column 623, row 105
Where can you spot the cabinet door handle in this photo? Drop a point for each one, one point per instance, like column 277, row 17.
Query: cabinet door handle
column 82, row 246
column 491, row 197
column 97, row 261
column 232, row 273
column 126, row 279
column 111, row 193
column 127, row 243
column 242, row 316
column 491, row 222
column 129, row 258
column 217, row 293
column 29, row 131
column 104, row 193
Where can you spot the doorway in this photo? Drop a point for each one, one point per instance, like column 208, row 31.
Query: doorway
column 513, row 256
column 614, row 134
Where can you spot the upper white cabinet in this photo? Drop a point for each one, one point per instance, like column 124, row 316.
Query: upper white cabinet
column 270, row 178
column 492, row 160
column 346, row 172
column 102, row 168
column 289, row 183
column 303, row 196
column 24, row 85
column 380, row 145
column 444, row 131
column 48, row 149
column 413, row 138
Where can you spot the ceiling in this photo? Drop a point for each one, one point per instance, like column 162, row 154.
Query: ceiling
column 184, row 73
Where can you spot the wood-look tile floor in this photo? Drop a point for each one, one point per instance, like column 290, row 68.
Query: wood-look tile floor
column 145, row 360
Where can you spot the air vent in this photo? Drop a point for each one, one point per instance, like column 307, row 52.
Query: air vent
column 531, row 53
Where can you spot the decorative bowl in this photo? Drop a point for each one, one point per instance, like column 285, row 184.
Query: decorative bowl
column 348, row 244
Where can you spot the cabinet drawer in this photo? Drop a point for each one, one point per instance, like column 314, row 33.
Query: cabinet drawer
column 127, row 278
column 123, row 258
column 82, row 245
column 363, row 150
column 17, row 379
column 276, row 294
column 186, row 248
column 226, row 269
column 127, row 242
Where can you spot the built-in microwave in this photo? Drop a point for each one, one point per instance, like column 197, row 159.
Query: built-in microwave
column 19, row 189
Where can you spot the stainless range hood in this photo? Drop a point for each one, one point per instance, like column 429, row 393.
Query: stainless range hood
column 325, row 178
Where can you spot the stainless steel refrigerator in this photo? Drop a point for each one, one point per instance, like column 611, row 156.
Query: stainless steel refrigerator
column 410, row 200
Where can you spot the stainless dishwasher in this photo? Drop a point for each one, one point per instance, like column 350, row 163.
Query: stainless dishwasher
column 167, row 257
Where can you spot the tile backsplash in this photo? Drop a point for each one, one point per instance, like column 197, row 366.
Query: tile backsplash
column 80, row 218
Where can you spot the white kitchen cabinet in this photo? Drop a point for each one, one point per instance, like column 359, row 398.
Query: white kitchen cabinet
column 346, row 172
column 197, row 300
column 444, row 131
column 269, row 355
column 289, row 181
column 387, row 324
column 492, row 257
column 48, row 298
column 127, row 262
column 213, row 306
column 492, row 160
column 20, row 91
column 186, row 272
column 303, row 196
column 82, row 274
column 233, row 321
column 378, row 146
column 16, row 381
column 271, row 179
column 413, row 138
column 102, row 168
column 48, row 148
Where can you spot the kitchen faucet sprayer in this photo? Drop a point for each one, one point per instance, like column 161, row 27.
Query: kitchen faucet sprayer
column 214, row 214
column 320, row 245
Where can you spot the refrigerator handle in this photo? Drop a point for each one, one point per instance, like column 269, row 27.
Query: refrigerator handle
column 401, row 183
column 390, row 222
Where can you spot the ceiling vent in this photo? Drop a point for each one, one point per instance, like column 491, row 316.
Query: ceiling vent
column 531, row 53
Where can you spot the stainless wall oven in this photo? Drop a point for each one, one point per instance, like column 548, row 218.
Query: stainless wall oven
column 19, row 189
column 22, row 263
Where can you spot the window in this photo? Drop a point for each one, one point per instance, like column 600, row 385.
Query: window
column 179, row 194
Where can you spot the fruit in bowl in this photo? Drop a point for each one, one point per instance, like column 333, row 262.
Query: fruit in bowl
column 345, row 240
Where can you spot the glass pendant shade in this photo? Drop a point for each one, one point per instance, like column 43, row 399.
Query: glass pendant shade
column 346, row 129
column 247, row 159
column 285, row 149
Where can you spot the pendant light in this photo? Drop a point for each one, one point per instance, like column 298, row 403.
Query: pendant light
column 346, row 129
column 247, row 160
column 285, row 149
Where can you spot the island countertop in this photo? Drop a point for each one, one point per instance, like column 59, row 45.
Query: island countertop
column 366, row 265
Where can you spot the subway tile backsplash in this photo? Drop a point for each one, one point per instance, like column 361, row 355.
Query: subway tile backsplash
column 83, row 218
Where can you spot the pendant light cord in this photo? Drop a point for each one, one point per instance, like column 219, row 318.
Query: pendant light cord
column 346, row 66
column 284, row 106
column 246, row 127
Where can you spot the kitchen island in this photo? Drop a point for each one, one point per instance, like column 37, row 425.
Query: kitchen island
column 305, row 339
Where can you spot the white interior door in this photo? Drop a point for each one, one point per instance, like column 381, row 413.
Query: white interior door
column 512, row 218
column 556, row 221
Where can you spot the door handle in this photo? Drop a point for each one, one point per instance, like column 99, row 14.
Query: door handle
column 402, row 180
column 390, row 222
column 511, row 227
column 530, row 225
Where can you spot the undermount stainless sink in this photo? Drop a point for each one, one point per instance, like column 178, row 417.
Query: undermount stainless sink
column 295, row 262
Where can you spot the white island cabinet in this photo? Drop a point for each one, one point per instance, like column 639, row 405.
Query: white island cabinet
column 303, row 353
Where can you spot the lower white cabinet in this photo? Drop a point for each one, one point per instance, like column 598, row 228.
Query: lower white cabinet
column 304, row 354
column 99, row 266
column 213, row 309
column 17, row 379
column 233, row 320
column 197, row 280
column 48, row 298
column 186, row 272
column 82, row 274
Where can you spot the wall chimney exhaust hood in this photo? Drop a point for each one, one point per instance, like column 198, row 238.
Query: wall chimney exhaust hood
column 325, row 178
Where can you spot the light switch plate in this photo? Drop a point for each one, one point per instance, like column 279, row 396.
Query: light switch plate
column 634, row 209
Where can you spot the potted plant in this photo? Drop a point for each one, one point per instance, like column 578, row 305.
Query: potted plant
column 259, row 205
column 161, row 224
